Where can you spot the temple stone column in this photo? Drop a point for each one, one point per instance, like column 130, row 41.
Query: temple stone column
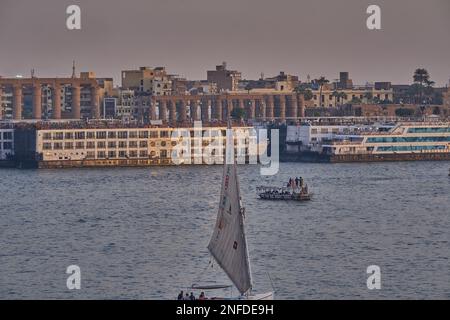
column 261, row 114
column 56, row 101
column 251, row 109
column 17, row 106
column 182, row 115
column 301, row 106
column 282, row 115
column 230, row 107
column 205, row 110
column 217, row 110
column 76, row 107
column 292, row 109
column 37, row 101
column 270, row 108
column 173, row 111
column 1, row 103
column 163, row 110
column 95, row 103
column 194, row 110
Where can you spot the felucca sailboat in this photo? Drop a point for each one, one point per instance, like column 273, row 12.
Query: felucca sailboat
column 228, row 243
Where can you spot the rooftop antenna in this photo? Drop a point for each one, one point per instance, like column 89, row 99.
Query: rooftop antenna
column 74, row 75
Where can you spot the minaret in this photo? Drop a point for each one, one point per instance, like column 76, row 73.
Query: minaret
column 74, row 75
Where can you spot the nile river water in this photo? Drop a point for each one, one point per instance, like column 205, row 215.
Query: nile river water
column 141, row 233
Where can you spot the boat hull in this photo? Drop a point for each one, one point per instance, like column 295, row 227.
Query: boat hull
column 265, row 196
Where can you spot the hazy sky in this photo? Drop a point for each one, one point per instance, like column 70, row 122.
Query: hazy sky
column 316, row 37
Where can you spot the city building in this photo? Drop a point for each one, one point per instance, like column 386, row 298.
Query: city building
column 365, row 94
column 281, row 83
column 226, row 80
column 152, row 81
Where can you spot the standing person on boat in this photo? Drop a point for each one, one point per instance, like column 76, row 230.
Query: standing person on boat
column 186, row 297
column 202, row 296
column 296, row 182
column 181, row 295
column 192, row 297
column 301, row 182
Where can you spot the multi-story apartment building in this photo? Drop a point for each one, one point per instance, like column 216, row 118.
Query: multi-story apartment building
column 153, row 81
column 226, row 80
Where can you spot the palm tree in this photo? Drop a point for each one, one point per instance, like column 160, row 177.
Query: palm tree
column 335, row 94
column 368, row 96
column 321, row 81
column 342, row 96
column 421, row 77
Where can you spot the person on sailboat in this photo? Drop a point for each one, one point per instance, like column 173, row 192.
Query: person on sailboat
column 181, row 295
column 202, row 296
column 192, row 297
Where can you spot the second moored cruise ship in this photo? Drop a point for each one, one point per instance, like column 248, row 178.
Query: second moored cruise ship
column 405, row 141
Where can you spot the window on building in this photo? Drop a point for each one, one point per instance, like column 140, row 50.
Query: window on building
column 112, row 135
column 133, row 154
column 90, row 145
column 133, row 144
column 68, row 145
column 101, row 154
column 133, row 135
column 79, row 145
column 143, row 134
column 101, row 135
column 47, row 136
column 58, row 136
column 143, row 144
column 47, row 146
column 122, row 154
column 57, row 146
column 143, row 154
column 80, row 135
column 68, row 135
column 123, row 134
column 101, row 145
column 122, row 144
column 112, row 144
column 111, row 154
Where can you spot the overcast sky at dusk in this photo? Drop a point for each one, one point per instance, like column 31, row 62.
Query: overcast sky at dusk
column 316, row 37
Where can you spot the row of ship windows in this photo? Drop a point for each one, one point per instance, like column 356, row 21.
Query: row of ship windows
column 429, row 130
column 410, row 148
column 113, row 154
column 407, row 139
column 6, row 136
column 6, row 146
column 101, row 145
column 120, row 144
column 116, row 135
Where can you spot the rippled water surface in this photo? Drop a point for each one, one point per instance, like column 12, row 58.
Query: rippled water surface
column 142, row 233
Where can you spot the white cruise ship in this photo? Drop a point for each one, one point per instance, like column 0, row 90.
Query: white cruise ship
column 405, row 141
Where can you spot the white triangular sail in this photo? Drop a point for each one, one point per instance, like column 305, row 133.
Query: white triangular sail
column 228, row 244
